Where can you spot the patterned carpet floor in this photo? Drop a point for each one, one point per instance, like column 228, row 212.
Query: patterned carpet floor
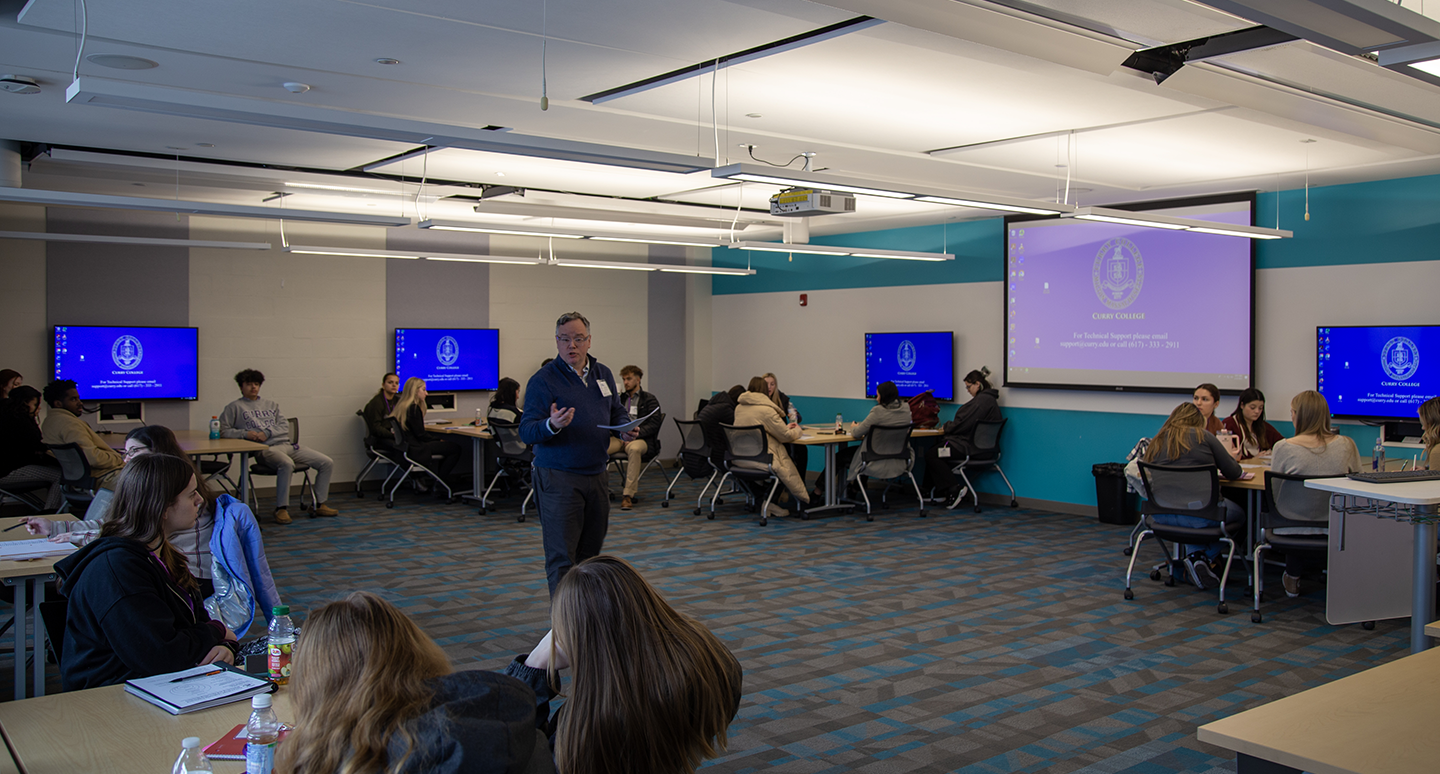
column 992, row 642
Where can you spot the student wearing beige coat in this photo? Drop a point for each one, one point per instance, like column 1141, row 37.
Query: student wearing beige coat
column 756, row 408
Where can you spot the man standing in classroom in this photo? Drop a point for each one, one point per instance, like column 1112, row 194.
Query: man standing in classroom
column 566, row 404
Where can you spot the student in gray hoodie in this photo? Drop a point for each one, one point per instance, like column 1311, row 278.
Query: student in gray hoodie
column 256, row 419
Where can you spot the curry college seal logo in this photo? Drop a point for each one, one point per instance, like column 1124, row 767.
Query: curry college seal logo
column 1400, row 358
column 906, row 355
column 127, row 352
column 1118, row 273
column 447, row 350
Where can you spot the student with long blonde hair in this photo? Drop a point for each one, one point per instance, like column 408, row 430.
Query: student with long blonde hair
column 424, row 445
column 372, row 694
column 653, row 691
column 1183, row 440
column 1316, row 450
column 1429, row 412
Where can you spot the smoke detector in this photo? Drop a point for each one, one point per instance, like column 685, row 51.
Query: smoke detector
column 19, row 84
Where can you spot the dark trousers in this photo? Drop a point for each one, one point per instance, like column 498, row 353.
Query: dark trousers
column 574, row 517
column 449, row 453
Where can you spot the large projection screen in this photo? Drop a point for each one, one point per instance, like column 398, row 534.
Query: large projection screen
column 1103, row 306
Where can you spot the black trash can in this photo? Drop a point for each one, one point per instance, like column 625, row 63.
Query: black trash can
column 1116, row 506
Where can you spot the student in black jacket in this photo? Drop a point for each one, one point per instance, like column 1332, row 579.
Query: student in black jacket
column 424, row 445
column 984, row 406
column 378, row 409
column 23, row 459
column 720, row 410
column 133, row 608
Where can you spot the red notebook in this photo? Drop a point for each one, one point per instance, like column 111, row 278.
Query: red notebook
column 231, row 746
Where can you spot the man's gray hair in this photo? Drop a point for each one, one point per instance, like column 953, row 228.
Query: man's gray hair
column 571, row 316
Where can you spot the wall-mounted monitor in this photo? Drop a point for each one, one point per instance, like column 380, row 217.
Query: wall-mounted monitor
column 115, row 363
column 1377, row 371
column 449, row 358
column 915, row 362
column 1108, row 306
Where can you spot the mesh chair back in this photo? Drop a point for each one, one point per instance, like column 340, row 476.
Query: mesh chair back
column 747, row 444
column 398, row 429
column 1186, row 490
column 987, row 439
column 1292, row 504
column 74, row 468
column 694, row 451
column 887, row 442
column 294, row 430
column 507, row 440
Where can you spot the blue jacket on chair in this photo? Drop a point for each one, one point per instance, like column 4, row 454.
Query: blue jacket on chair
column 237, row 548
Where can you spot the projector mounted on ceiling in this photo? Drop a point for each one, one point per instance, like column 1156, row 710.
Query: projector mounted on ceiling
column 808, row 202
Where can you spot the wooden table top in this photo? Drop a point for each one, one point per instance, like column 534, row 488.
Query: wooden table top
column 106, row 729
column 28, row 567
column 817, row 435
column 1256, row 466
column 1380, row 721
column 197, row 442
column 468, row 430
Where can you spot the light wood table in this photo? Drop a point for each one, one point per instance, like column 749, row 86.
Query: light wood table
column 1433, row 629
column 832, row 441
column 106, row 729
column 28, row 578
column 1380, row 721
column 197, row 443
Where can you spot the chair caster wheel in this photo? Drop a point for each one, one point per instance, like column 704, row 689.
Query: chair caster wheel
column 664, row 503
column 1368, row 626
column 924, row 513
column 482, row 511
column 1222, row 609
column 1129, row 594
column 804, row 516
column 304, row 507
column 1155, row 575
column 1129, row 550
column 1170, row 580
column 520, row 519
column 869, row 517
column 977, row 509
column 710, row 516
column 390, row 505
column 359, row 493
column 720, row 501
column 452, row 500
column 697, row 511
column 1014, row 503
column 764, row 521
column 1256, row 618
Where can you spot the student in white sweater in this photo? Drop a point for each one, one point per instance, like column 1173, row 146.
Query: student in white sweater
column 256, row 419
column 1316, row 450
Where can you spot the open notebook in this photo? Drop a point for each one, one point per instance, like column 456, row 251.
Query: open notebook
column 198, row 688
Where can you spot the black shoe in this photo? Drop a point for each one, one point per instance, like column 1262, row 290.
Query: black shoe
column 1197, row 565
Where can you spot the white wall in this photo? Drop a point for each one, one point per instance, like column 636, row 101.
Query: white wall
column 24, row 338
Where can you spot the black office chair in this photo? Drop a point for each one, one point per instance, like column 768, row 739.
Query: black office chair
column 748, row 459
column 259, row 467
column 22, row 491
column 1297, row 518
column 885, row 455
column 377, row 452
column 693, row 461
column 513, row 461
column 986, row 456
column 78, row 485
column 650, row 459
column 1186, row 490
column 412, row 465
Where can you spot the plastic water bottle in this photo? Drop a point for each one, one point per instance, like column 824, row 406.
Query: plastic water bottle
column 192, row 759
column 1377, row 456
column 261, row 735
column 214, row 428
column 839, row 422
column 794, row 416
column 479, row 417
column 281, row 645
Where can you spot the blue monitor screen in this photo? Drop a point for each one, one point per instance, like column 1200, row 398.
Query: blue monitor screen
column 915, row 362
column 128, row 362
column 449, row 358
column 1377, row 372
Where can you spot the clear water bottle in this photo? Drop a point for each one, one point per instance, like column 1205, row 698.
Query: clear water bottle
column 214, row 428
column 794, row 416
column 281, row 645
column 261, row 735
column 192, row 759
column 839, row 422
column 1377, row 455
column 479, row 417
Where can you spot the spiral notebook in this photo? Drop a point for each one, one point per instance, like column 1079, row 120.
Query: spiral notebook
column 198, row 688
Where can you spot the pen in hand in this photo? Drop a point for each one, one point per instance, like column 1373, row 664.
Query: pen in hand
column 192, row 677
column 15, row 526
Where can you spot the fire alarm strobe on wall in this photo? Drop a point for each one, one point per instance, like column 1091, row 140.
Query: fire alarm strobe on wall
column 804, row 299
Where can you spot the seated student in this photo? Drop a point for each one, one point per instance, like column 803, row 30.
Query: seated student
column 1429, row 412
column 424, row 445
column 372, row 693
column 23, row 459
column 64, row 425
column 888, row 410
column 637, row 403
column 1207, row 398
column 379, row 407
column 800, row 455
column 1182, row 440
column 505, row 403
column 256, row 419
column 755, row 408
column 134, row 609
column 984, row 406
column 1316, row 450
column 1248, row 423
column 9, row 380
column 652, row 691
column 719, row 410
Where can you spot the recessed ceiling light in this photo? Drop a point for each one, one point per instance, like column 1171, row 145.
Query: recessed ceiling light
column 175, row 147
column 204, row 144
column 499, row 174
column 296, row 87
column 385, row 60
column 19, row 84
column 121, row 62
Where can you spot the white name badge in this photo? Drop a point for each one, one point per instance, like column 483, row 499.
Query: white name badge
column 943, row 451
column 604, row 387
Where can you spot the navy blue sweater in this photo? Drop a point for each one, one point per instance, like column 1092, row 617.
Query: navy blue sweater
column 581, row 446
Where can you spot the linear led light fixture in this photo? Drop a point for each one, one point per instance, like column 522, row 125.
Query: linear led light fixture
column 603, row 264
column 647, row 241
column 857, row 252
column 105, row 201
column 591, row 235
column 675, row 269
column 143, row 241
column 660, row 267
column 346, row 188
column 1151, row 220
column 361, row 252
column 430, row 224
column 903, row 255
column 755, row 174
